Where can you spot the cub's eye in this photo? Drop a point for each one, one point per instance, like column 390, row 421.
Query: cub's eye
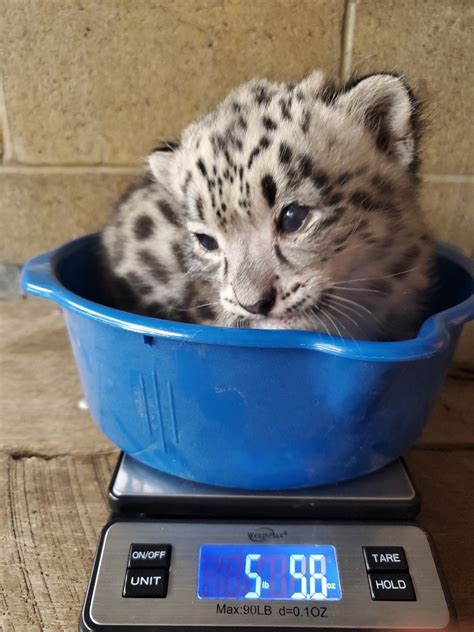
column 292, row 217
column 206, row 241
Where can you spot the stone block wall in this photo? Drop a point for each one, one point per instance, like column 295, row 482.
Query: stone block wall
column 89, row 86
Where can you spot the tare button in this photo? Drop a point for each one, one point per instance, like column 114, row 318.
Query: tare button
column 385, row 558
column 149, row 556
column 146, row 582
column 391, row 587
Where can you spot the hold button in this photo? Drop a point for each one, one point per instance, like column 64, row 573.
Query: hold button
column 391, row 587
column 149, row 556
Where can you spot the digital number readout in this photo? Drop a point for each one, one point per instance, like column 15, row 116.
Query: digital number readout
column 288, row 572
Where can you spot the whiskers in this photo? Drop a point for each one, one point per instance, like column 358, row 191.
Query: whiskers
column 353, row 306
column 379, row 278
column 342, row 316
column 191, row 307
column 326, row 314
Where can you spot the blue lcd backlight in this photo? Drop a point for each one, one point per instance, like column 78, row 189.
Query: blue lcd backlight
column 268, row 571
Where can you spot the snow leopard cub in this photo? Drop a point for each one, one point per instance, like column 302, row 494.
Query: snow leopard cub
column 288, row 206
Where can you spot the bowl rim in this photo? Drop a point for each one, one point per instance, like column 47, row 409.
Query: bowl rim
column 39, row 277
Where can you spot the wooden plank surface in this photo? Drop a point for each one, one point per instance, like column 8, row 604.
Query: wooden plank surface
column 445, row 481
column 54, row 511
column 39, row 385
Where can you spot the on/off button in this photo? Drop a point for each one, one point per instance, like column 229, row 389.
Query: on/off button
column 149, row 556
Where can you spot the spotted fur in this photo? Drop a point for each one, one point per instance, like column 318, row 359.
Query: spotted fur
column 359, row 266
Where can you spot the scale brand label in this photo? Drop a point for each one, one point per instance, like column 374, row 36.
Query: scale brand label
column 266, row 534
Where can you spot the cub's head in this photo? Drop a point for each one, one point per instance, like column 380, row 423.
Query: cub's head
column 291, row 192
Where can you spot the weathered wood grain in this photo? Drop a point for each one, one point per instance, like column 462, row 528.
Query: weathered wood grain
column 39, row 386
column 445, row 481
column 53, row 511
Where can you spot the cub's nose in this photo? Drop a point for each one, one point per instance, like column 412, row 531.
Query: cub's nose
column 264, row 305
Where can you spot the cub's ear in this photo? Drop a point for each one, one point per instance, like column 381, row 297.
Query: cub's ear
column 161, row 160
column 388, row 108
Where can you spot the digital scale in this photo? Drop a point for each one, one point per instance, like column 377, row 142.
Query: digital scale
column 179, row 556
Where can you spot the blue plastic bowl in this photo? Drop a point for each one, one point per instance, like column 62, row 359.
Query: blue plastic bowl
column 251, row 408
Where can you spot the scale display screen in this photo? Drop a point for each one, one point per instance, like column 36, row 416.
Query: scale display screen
column 280, row 571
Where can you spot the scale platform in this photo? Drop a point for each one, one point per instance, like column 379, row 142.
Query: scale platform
column 139, row 489
column 180, row 556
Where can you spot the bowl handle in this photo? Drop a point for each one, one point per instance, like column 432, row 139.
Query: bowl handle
column 37, row 276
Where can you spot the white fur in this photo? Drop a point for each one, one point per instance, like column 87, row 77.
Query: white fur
column 337, row 140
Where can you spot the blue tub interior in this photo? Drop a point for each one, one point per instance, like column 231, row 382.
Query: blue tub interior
column 82, row 275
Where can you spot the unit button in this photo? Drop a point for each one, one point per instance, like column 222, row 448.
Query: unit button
column 146, row 582
column 385, row 558
column 149, row 556
column 391, row 587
